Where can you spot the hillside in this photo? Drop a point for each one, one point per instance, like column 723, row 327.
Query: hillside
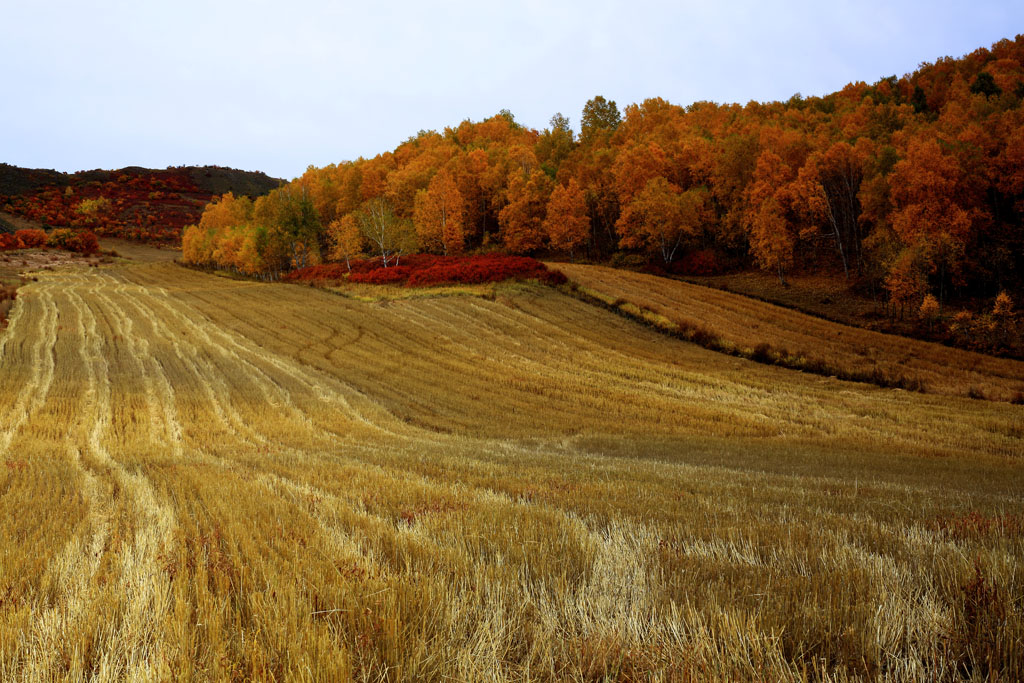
column 785, row 336
column 911, row 188
column 251, row 480
column 134, row 203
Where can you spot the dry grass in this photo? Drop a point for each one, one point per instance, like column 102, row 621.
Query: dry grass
column 374, row 293
column 213, row 479
column 15, row 263
column 771, row 334
column 139, row 252
column 825, row 296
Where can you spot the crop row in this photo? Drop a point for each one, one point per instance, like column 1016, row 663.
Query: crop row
column 255, row 481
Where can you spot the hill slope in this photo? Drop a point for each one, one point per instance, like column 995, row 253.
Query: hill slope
column 133, row 202
column 249, row 480
column 746, row 323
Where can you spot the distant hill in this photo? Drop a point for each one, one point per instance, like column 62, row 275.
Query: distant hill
column 218, row 180
column 132, row 202
column 15, row 180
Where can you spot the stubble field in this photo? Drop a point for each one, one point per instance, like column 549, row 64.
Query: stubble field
column 801, row 338
column 206, row 478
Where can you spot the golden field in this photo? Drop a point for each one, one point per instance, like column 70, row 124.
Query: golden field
column 215, row 479
column 745, row 323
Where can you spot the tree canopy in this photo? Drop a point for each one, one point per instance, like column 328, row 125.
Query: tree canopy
column 913, row 185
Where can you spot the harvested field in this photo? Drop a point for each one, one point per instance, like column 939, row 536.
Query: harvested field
column 792, row 337
column 219, row 479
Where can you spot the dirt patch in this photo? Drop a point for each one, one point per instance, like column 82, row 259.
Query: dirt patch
column 17, row 267
column 12, row 222
column 14, row 264
column 8, row 294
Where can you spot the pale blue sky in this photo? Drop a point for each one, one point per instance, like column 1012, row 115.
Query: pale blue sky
column 276, row 86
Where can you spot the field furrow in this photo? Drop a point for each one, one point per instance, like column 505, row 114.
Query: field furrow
column 40, row 365
column 247, row 481
column 68, row 621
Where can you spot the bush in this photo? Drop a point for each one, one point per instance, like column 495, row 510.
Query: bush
column 10, row 242
column 702, row 336
column 87, row 243
column 318, row 273
column 383, row 276
column 60, row 238
column 79, row 241
column 31, row 238
column 480, row 269
column 702, row 262
column 762, row 353
column 92, row 207
column 626, row 260
column 423, row 270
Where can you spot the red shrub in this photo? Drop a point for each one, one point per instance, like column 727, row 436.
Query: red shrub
column 324, row 271
column 479, row 269
column 80, row 241
column 9, row 242
column 365, row 265
column 142, row 207
column 87, row 243
column 422, row 270
column 415, row 261
column 31, row 238
column 383, row 276
column 702, row 262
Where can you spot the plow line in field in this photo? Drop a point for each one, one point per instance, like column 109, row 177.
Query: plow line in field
column 228, row 480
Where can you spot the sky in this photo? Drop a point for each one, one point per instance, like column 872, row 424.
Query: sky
column 278, row 86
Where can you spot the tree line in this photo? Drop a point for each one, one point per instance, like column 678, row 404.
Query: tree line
column 909, row 186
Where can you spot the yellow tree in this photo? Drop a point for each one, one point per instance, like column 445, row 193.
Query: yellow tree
column 213, row 240
column 566, row 224
column 828, row 189
column 225, row 212
column 345, row 239
column 195, row 245
column 249, row 258
column 661, row 218
column 591, row 166
column 439, row 214
column 929, row 310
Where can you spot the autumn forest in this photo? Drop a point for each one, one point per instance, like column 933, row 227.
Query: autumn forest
column 909, row 187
